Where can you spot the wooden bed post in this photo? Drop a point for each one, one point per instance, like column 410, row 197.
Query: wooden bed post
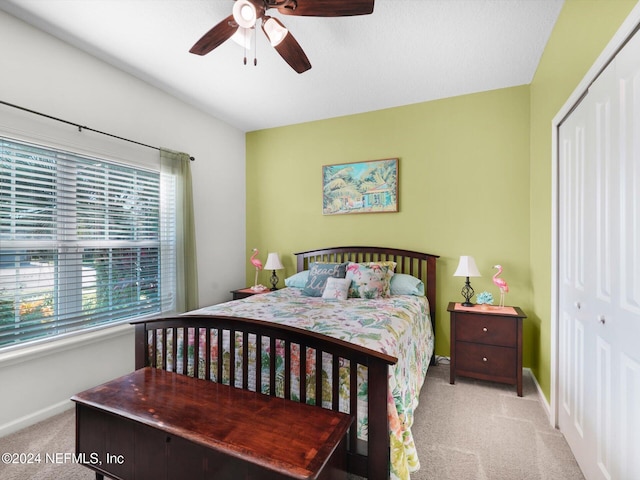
column 141, row 348
column 378, row 455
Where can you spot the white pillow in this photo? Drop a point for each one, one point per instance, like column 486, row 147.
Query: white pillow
column 336, row 288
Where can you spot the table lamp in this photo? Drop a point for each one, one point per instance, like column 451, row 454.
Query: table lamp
column 467, row 268
column 273, row 264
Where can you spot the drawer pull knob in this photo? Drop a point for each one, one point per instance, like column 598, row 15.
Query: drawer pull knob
column 484, row 329
column 484, row 359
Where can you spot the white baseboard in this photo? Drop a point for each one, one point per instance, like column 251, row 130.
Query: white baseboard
column 35, row 417
column 543, row 399
column 45, row 376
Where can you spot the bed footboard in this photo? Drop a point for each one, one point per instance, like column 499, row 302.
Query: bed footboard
column 211, row 344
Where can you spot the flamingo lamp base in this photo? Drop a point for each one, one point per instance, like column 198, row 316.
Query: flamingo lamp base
column 467, row 292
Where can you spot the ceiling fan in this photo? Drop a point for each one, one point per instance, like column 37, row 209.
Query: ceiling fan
column 246, row 13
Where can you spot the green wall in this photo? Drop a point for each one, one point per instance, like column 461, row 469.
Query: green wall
column 582, row 31
column 463, row 189
column 474, row 179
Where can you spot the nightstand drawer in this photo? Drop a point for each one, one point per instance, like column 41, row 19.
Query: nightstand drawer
column 488, row 329
column 486, row 359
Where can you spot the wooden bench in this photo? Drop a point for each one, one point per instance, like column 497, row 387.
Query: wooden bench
column 154, row 424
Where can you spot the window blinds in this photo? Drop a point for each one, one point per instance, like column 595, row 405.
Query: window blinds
column 84, row 242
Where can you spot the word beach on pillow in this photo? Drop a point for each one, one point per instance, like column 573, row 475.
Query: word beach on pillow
column 318, row 274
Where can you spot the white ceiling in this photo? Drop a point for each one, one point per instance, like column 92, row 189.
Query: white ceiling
column 407, row 51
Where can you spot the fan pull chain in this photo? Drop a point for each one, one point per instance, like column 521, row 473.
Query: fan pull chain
column 244, row 47
column 255, row 48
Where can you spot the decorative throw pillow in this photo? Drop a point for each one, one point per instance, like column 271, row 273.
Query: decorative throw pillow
column 390, row 272
column 318, row 274
column 369, row 280
column 336, row 288
column 403, row 284
column 299, row 280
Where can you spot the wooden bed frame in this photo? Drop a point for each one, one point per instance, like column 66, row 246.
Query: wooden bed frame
column 365, row 458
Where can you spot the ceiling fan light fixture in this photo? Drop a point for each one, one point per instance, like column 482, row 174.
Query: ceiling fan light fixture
column 274, row 30
column 244, row 13
column 242, row 37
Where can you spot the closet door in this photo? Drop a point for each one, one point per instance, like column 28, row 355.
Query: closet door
column 599, row 273
column 625, row 312
column 576, row 386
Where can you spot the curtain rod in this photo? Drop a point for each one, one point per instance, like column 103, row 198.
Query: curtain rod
column 81, row 127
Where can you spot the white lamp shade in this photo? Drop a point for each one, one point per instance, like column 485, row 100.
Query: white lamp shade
column 467, row 267
column 242, row 37
column 273, row 262
column 244, row 13
column 274, row 30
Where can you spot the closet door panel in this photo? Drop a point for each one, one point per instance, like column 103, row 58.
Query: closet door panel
column 605, row 285
column 575, row 364
column 626, row 312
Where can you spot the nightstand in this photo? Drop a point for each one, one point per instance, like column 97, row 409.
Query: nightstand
column 486, row 343
column 246, row 292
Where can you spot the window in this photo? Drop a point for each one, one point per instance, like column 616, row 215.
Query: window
column 82, row 242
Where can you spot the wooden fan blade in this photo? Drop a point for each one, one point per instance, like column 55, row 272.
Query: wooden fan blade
column 215, row 37
column 329, row 8
column 292, row 52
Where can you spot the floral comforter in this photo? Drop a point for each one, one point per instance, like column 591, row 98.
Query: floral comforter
column 398, row 326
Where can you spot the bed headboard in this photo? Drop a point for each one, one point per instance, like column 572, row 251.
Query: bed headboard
column 418, row 264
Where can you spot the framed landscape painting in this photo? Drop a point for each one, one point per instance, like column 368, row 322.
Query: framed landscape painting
column 361, row 187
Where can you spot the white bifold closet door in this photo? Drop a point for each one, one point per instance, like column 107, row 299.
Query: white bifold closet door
column 599, row 273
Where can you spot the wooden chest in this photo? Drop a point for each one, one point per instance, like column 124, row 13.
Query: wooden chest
column 154, row 424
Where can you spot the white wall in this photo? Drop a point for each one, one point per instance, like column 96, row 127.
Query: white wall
column 44, row 74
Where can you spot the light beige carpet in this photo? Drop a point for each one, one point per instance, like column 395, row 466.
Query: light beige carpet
column 51, row 440
column 477, row 430
column 468, row 431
